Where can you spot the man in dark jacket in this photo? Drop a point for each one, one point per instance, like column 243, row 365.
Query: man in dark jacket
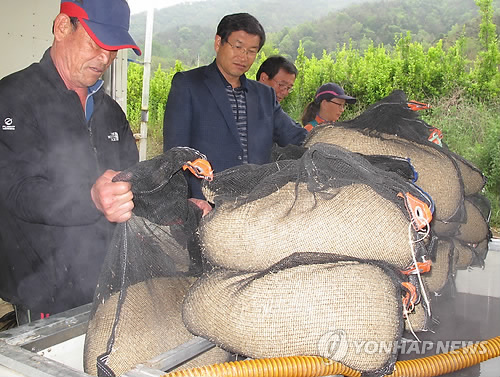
column 62, row 140
column 279, row 73
column 218, row 111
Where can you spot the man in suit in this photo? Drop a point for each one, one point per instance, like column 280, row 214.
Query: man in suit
column 218, row 111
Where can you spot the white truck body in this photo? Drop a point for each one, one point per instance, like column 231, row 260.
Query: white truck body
column 26, row 32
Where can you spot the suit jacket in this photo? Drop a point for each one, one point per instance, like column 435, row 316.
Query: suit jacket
column 198, row 115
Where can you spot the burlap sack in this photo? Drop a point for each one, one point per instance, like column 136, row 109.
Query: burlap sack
column 418, row 320
column 331, row 310
column 354, row 221
column 476, row 228
column 441, row 269
column 444, row 229
column 435, row 169
column 481, row 249
column 464, row 255
column 146, row 328
column 472, row 178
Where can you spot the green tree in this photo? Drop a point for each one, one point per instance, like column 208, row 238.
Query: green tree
column 134, row 95
column 486, row 75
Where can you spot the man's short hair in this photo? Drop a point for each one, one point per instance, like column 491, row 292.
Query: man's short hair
column 272, row 65
column 240, row 21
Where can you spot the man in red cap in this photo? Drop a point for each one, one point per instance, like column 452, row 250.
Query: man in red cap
column 62, row 140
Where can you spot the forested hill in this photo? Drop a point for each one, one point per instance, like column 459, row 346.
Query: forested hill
column 427, row 20
column 273, row 14
column 186, row 31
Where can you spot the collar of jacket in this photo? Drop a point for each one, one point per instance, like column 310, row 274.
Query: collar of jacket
column 243, row 78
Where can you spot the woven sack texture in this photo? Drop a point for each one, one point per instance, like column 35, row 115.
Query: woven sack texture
column 445, row 229
column 434, row 168
column 146, row 329
column 441, row 270
column 330, row 200
column 464, row 255
column 298, row 310
column 476, row 227
column 354, row 221
column 472, row 178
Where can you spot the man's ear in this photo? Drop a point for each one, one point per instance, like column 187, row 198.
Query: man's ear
column 62, row 26
column 217, row 43
column 264, row 77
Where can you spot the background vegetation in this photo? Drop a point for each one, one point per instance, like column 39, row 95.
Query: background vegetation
column 186, row 32
column 461, row 81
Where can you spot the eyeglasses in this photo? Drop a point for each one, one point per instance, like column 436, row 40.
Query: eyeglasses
column 243, row 51
column 283, row 86
column 342, row 105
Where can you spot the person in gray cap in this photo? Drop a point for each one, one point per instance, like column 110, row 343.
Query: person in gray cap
column 62, row 140
column 328, row 105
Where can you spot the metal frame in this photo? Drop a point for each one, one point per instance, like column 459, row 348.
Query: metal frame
column 19, row 347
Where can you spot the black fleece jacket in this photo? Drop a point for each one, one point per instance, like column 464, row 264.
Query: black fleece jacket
column 53, row 239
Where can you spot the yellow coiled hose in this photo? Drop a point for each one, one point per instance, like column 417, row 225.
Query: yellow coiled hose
column 312, row 366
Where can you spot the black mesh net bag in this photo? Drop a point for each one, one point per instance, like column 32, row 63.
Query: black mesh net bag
column 472, row 237
column 442, row 272
column 476, row 227
column 390, row 127
column 152, row 261
column 401, row 166
column 329, row 200
column 315, row 304
column 467, row 255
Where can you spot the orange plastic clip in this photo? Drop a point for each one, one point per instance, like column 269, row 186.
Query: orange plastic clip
column 411, row 296
column 200, row 168
column 422, row 268
column 415, row 105
column 420, row 213
column 435, row 136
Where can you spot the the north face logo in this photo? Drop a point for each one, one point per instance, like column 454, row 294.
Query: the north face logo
column 8, row 125
column 113, row 136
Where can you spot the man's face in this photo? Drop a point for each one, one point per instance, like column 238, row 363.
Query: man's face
column 80, row 60
column 236, row 56
column 282, row 83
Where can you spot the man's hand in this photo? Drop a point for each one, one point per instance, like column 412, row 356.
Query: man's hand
column 113, row 199
column 202, row 204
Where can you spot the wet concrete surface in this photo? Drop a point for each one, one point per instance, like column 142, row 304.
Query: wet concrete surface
column 468, row 314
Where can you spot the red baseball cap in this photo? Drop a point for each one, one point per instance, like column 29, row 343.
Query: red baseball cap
column 106, row 21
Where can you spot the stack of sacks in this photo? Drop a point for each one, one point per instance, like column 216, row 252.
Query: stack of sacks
column 390, row 127
column 328, row 201
column 292, row 309
column 305, row 248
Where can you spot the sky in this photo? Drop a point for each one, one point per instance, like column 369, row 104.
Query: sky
column 138, row 6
